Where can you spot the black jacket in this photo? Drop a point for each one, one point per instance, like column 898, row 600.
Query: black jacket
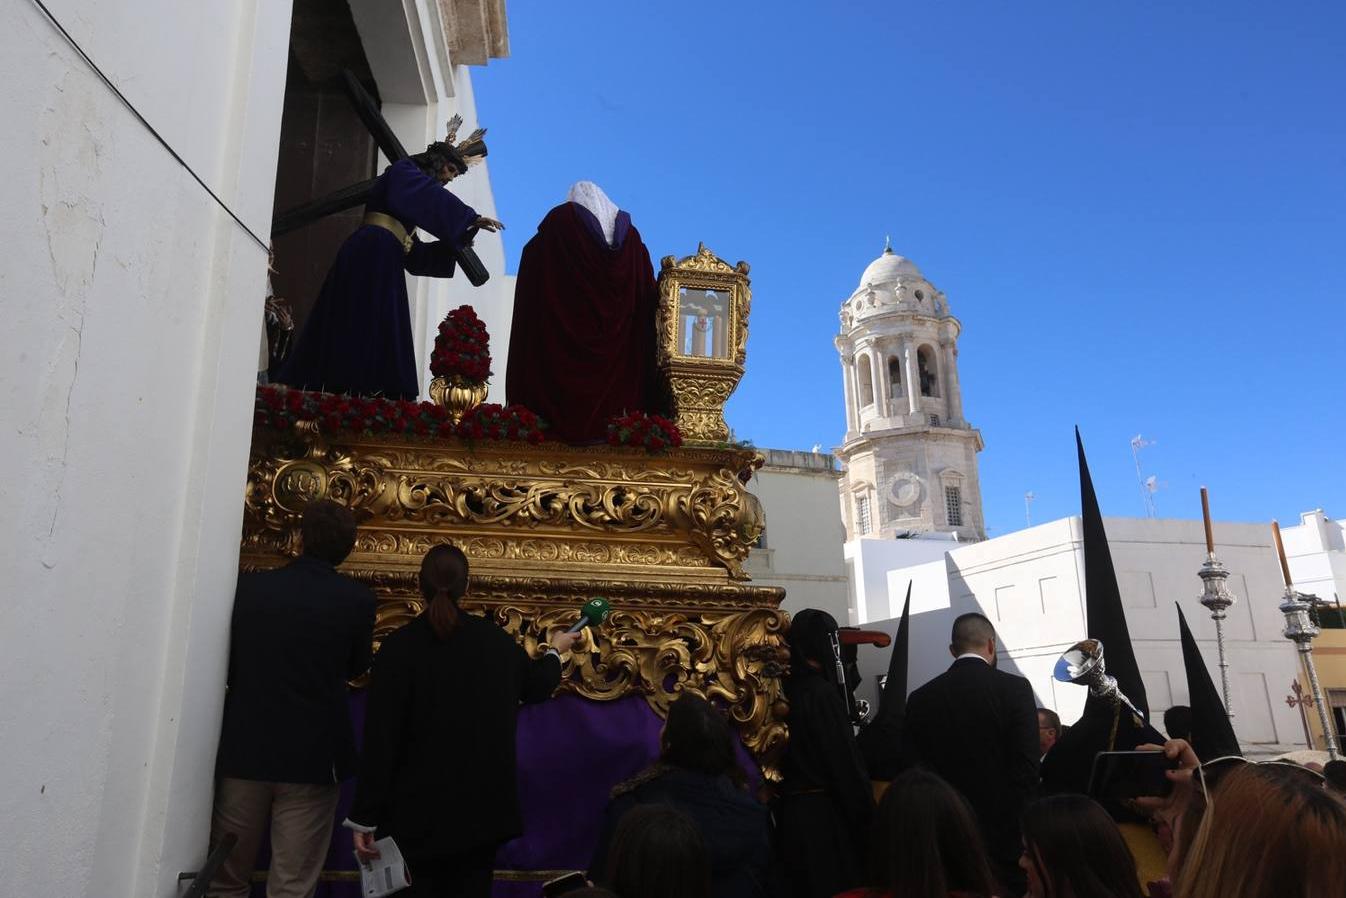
column 299, row 633
column 977, row 727
column 734, row 826
column 1069, row 764
column 438, row 768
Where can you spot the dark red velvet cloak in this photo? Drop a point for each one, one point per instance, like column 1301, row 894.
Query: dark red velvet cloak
column 582, row 345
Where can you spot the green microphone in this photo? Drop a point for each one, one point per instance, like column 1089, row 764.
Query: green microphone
column 594, row 612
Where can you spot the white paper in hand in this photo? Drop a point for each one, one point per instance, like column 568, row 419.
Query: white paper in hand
column 387, row 874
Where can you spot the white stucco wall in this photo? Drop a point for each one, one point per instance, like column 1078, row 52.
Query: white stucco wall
column 132, row 309
column 1031, row 585
column 802, row 552
column 868, row 563
column 133, row 306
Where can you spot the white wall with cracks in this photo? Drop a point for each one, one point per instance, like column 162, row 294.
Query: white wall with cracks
column 130, row 304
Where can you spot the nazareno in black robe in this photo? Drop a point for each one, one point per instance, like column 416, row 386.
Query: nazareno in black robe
column 827, row 799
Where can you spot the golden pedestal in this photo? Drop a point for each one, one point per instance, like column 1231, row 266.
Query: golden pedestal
column 456, row 395
column 546, row 527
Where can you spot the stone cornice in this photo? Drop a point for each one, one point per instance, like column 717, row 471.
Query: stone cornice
column 475, row 30
column 862, row 440
column 865, row 326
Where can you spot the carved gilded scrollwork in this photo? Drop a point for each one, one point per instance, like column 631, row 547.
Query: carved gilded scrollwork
column 725, row 643
column 687, row 510
column 546, row 527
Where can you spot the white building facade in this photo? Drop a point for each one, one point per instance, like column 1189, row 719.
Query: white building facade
column 801, row 549
column 133, row 305
column 1031, row 585
column 1316, row 550
column 910, row 456
column 911, row 505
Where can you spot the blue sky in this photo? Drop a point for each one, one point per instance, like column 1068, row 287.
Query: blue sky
column 1137, row 210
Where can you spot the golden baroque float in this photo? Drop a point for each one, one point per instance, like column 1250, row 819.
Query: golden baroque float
column 547, row 527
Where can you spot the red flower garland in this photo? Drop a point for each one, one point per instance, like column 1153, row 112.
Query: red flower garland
column 490, row 421
column 653, row 433
column 462, row 347
column 280, row 408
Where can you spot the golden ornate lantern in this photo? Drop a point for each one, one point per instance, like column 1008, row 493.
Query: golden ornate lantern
column 703, row 339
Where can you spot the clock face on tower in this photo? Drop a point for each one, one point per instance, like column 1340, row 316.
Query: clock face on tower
column 905, row 490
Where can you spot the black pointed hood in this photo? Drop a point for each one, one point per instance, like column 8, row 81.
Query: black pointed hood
column 1104, row 618
column 1212, row 733
column 893, row 700
column 880, row 741
column 1103, row 726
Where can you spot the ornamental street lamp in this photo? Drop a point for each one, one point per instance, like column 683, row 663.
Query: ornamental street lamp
column 1301, row 630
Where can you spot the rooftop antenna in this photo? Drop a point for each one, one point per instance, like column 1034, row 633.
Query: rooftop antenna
column 1147, row 486
column 1152, row 486
column 1028, row 507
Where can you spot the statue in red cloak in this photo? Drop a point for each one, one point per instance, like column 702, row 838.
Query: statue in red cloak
column 582, row 346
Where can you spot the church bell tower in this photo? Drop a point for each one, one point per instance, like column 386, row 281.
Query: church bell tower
column 910, row 456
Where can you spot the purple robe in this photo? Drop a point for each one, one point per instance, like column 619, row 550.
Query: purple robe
column 357, row 339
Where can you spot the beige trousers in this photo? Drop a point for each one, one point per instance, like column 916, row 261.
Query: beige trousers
column 301, row 817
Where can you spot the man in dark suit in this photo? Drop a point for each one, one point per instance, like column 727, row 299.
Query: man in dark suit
column 299, row 633
column 976, row 727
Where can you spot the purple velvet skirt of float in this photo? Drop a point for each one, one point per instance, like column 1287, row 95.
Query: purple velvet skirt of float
column 571, row 752
column 357, row 339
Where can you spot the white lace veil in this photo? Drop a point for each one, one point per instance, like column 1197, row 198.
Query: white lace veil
column 591, row 196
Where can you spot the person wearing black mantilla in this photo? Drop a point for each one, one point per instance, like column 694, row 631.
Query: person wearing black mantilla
column 826, row 799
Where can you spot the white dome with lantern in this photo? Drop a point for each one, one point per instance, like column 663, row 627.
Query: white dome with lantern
column 910, row 456
column 892, row 283
column 888, row 267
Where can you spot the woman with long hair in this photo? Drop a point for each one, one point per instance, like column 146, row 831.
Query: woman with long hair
column 1073, row 849
column 926, row 843
column 1268, row 831
column 657, row 852
column 438, row 766
column 698, row 772
column 1179, row 816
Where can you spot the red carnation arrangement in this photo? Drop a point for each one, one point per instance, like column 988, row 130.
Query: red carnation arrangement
column 280, row 408
column 490, row 421
column 462, row 347
column 653, row 433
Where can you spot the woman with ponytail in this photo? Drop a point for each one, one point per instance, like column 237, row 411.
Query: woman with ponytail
column 437, row 772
